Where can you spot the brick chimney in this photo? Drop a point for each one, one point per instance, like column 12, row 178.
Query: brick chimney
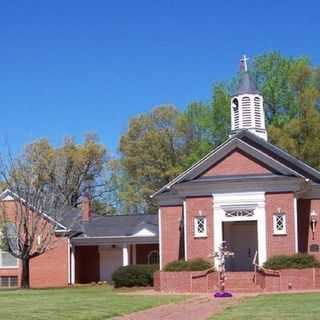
column 86, row 211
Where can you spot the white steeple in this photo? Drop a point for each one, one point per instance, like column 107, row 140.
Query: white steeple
column 247, row 111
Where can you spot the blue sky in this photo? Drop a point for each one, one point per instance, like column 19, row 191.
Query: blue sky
column 71, row 67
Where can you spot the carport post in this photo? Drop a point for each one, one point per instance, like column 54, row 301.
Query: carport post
column 72, row 265
column 125, row 255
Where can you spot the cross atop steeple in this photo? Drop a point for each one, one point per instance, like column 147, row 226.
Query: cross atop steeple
column 243, row 63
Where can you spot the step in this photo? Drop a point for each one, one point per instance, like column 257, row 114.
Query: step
column 241, row 282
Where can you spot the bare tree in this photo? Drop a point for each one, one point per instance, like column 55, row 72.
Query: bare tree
column 30, row 213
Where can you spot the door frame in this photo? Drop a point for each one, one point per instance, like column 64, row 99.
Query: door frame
column 254, row 201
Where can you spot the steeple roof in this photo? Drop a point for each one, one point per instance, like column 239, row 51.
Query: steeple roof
column 246, row 85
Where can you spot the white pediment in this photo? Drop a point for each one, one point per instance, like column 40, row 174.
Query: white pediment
column 144, row 233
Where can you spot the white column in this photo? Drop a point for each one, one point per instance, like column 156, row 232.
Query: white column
column 185, row 230
column 134, row 254
column 72, row 266
column 125, row 255
column 160, row 237
column 295, row 215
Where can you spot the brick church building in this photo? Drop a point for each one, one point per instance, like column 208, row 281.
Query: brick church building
column 247, row 192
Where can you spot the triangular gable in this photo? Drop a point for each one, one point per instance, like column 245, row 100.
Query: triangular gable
column 144, row 233
column 233, row 145
column 237, row 163
column 269, row 156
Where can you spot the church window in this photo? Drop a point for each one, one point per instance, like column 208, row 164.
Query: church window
column 279, row 223
column 200, row 227
column 240, row 213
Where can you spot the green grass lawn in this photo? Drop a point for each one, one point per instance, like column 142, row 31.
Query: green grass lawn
column 278, row 307
column 90, row 303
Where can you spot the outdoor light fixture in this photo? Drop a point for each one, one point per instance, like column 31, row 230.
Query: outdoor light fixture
column 313, row 221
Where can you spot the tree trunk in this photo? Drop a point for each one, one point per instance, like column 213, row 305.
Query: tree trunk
column 25, row 280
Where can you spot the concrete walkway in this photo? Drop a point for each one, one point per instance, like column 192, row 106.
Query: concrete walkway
column 197, row 308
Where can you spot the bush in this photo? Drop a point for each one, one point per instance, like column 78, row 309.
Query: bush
column 296, row 261
column 139, row 275
column 198, row 264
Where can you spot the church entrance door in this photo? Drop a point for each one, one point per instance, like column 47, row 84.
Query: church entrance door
column 242, row 239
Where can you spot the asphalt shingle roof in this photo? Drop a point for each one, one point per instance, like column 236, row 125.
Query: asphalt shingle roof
column 246, row 85
column 110, row 225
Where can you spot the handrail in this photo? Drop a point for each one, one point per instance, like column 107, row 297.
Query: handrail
column 255, row 265
column 254, row 261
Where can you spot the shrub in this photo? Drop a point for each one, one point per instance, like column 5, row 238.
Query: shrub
column 197, row 264
column 296, row 261
column 139, row 275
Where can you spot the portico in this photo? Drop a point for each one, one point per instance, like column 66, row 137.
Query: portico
column 240, row 220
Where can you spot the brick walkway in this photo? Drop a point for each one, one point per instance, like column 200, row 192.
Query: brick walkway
column 197, row 308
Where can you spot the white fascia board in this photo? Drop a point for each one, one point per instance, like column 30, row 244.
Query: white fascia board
column 8, row 195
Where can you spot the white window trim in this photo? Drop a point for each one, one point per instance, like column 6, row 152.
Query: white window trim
column 8, row 267
column 203, row 234
column 274, row 221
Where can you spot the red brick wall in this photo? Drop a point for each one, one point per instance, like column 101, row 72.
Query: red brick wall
column 237, row 163
column 51, row 268
column 186, row 281
column 87, row 264
column 143, row 250
column 201, row 281
column 170, row 234
column 280, row 244
column 47, row 270
column 199, row 247
column 305, row 207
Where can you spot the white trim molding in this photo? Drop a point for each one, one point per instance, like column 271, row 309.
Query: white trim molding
column 185, row 231
column 245, row 202
column 160, row 239
column 295, row 215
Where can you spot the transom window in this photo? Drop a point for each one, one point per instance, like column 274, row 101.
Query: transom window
column 200, row 227
column 279, row 223
column 240, row 213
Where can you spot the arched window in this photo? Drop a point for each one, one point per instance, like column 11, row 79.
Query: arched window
column 235, row 108
column 153, row 257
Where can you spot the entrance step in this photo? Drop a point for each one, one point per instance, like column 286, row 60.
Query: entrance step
column 241, row 282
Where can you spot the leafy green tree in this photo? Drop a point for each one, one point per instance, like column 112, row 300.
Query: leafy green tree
column 220, row 110
column 291, row 90
column 151, row 152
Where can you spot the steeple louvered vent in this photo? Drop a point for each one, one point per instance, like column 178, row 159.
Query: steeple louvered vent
column 246, row 112
column 257, row 112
